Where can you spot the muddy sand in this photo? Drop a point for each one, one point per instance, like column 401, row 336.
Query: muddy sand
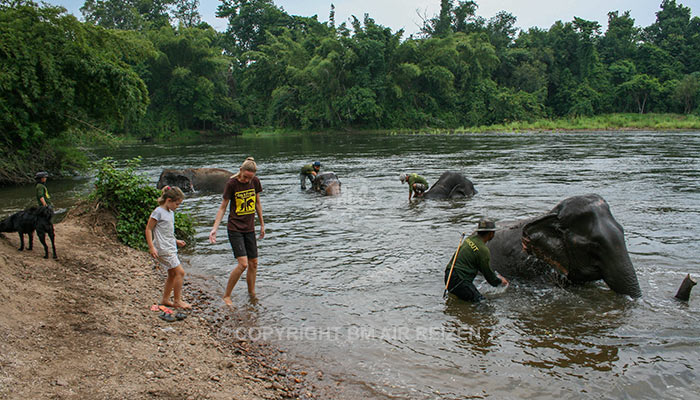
column 80, row 326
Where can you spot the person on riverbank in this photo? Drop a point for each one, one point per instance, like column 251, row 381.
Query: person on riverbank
column 42, row 193
column 416, row 184
column 244, row 189
column 162, row 244
column 309, row 171
column 473, row 257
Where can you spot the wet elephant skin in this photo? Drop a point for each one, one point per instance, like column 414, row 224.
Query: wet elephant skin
column 195, row 179
column 578, row 240
column 451, row 185
column 326, row 183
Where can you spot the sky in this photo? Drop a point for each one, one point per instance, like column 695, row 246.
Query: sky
column 406, row 14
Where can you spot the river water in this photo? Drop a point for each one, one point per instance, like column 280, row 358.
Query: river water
column 352, row 285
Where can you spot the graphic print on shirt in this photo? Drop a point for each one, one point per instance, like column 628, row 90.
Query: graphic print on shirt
column 245, row 202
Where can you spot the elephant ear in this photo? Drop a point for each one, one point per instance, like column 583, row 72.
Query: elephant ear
column 543, row 238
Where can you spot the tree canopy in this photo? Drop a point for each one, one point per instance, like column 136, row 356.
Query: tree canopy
column 152, row 68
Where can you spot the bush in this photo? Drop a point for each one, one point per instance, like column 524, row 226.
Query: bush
column 132, row 200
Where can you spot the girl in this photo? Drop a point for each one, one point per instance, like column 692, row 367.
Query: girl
column 160, row 236
column 244, row 188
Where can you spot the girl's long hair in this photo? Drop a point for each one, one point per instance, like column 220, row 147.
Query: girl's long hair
column 170, row 192
column 248, row 165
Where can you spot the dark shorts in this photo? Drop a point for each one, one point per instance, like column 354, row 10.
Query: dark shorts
column 243, row 244
column 419, row 188
column 463, row 289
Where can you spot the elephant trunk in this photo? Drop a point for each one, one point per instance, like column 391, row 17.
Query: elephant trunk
column 622, row 278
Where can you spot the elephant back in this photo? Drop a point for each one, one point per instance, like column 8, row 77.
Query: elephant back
column 210, row 179
column 451, row 184
column 195, row 179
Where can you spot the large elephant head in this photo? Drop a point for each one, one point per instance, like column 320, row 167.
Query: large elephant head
column 176, row 177
column 583, row 241
column 327, row 183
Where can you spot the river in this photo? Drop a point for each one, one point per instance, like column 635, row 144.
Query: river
column 352, row 285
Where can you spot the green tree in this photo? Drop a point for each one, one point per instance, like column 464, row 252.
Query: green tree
column 687, row 92
column 620, row 39
column 640, row 89
column 62, row 83
column 127, row 14
column 189, row 82
column 501, row 30
column 675, row 33
column 249, row 21
column 187, row 13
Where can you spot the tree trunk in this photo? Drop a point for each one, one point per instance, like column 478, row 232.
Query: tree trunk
column 684, row 291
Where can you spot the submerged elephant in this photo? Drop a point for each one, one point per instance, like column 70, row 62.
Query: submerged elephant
column 326, row 183
column 578, row 239
column 451, row 185
column 191, row 179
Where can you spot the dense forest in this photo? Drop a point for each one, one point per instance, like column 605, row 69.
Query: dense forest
column 152, row 69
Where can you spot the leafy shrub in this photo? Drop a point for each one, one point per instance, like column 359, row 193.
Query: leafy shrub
column 132, row 199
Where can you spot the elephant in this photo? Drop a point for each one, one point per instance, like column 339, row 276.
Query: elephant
column 199, row 179
column 326, row 183
column 451, row 185
column 577, row 241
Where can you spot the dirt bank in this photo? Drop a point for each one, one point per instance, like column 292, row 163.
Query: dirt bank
column 81, row 327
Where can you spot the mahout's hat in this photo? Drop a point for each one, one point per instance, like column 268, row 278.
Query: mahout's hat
column 486, row 225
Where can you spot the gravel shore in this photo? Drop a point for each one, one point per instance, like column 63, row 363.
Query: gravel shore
column 81, row 326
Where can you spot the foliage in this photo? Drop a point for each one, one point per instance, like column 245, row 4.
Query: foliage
column 130, row 197
column 188, row 83
column 61, row 82
column 127, row 14
column 150, row 69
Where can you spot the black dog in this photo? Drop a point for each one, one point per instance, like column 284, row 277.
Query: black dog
column 29, row 220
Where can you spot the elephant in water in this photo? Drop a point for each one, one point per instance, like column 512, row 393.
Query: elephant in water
column 195, row 179
column 451, row 185
column 326, row 183
column 578, row 241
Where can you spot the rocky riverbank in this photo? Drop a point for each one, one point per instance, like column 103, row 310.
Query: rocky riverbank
column 80, row 326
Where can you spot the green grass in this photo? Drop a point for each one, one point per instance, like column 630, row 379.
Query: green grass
column 263, row 132
column 605, row 122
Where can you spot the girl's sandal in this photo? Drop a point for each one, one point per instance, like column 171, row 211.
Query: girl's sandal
column 167, row 317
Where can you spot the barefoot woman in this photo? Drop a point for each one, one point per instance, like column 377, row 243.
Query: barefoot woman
column 244, row 189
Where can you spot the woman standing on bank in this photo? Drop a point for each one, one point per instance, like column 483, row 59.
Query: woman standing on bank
column 244, row 189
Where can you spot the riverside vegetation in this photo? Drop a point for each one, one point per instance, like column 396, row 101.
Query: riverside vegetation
column 152, row 70
column 131, row 198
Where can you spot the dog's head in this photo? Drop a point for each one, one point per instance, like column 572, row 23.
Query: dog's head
column 6, row 225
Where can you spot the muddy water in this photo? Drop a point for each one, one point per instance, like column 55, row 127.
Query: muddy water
column 352, row 285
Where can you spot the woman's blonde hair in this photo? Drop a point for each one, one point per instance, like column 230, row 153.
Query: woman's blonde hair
column 248, row 165
column 170, row 192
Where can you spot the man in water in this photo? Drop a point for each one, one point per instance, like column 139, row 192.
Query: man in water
column 309, row 171
column 416, row 183
column 473, row 257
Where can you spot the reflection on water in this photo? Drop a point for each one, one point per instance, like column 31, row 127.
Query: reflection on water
column 472, row 325
column 353, row 283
